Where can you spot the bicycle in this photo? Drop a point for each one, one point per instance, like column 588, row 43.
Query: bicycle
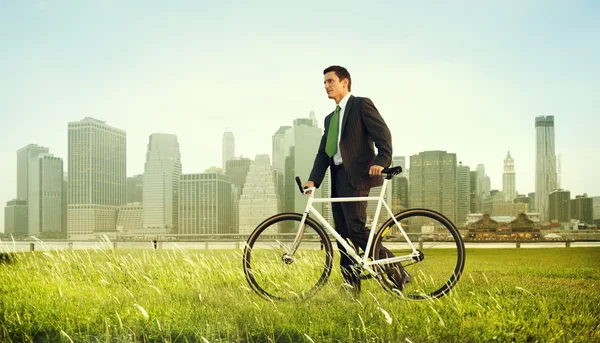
column 289, row 256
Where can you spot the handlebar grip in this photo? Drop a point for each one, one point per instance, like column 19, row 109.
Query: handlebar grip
column 299, row 184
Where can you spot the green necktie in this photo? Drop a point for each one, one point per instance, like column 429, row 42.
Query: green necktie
column 332, row 135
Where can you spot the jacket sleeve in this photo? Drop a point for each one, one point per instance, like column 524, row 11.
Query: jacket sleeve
column 379, row 132
column 321, row 160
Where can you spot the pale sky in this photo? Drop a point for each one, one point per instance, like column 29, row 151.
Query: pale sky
column 468, row 77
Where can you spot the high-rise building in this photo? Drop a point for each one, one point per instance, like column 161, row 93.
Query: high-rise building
column 433, row 182
column 545, row 164
column 303, row 139
column 326, row 189
column 582, row 209
column 558, row 170
column 463, row 194
column 522, row 199
column 508, row 178
column 135, row 189
column 228, row 149
column 372, row 205
column 280, row 148
column 238, row 169
column 205, row 204
column 596, row 202
column 399, row 186
column 508, row 209
column 162, row 174
column 45, row 194
column 484, row 186
column 475, row 204
column 559, row 202
column 15, row 217
column 395, row 195
column 399, row 194
column 400, row 161
column 259, row 199
column 65, row 203
column 97, row 177
column 130, row 219
column 24, row 155
column 532, row 203
column 495, row 198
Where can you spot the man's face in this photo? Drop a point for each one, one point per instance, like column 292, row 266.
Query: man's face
column 335, row 88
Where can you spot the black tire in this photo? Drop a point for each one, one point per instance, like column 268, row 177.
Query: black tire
column 270, row 275
column 441, row 247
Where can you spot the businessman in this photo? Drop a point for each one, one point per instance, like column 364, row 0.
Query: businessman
column 347, row 149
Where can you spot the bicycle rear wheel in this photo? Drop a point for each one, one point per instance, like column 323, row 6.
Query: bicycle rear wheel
column 272, row 272
column 442, row 253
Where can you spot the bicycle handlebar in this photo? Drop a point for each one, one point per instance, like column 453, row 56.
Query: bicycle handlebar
column 299, row 184
column 390, row 172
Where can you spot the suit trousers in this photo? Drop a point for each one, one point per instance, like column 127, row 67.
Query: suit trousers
column 350, row 219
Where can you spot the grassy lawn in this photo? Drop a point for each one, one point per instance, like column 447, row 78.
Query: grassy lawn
column 522, row 295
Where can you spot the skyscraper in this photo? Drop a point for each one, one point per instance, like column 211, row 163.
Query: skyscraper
column 238, row 169
column 135, row 189
column 161, row 184
column 326, row 189
column 97, row 176
column 582, row 209
column 463, row 194
column 399, row 186
column 45, row 195
column 475, row 200
column 532, row 203
column 558, row 170
column 545, row 163
column 433, row 182
column 24, row 155
column 372, row 205
column 228, row 149
column 484, row 186
column 508, row 178
column 559, row 206
column 596, row 204
column 303, row 139
column 205, row 204
column 259, row 198
column 15, row 217
column 280, row 148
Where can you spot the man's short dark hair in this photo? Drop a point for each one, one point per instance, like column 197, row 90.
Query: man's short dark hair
column 341, row 72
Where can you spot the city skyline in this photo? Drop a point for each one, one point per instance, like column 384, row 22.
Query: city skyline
column 471, row 89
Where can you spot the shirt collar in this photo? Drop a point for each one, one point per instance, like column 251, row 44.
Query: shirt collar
column 344, row 101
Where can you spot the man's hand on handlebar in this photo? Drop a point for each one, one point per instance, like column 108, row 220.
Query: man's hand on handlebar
column 308, row 184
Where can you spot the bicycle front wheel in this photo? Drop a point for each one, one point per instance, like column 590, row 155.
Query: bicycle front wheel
column 274, row 271
column 441, row 253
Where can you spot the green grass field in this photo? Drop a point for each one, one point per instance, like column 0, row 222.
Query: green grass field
column 521, row 295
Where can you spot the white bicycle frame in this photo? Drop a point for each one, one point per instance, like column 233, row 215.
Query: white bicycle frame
column 364, row 261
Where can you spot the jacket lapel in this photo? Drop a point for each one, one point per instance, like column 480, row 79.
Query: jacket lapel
column 346, row 113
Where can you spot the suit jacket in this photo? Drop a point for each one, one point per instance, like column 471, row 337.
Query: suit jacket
column 362, row 125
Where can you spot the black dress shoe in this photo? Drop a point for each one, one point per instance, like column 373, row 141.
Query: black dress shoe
column 352, row 288
column 351, row 283
column 398, row 276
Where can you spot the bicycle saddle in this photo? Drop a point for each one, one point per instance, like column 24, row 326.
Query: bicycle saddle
column 391, row 172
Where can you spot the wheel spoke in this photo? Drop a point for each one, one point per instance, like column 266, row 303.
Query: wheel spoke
column 440, row 244
column 272, row 273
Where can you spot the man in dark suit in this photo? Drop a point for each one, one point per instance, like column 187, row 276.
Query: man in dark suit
column 347, row 148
